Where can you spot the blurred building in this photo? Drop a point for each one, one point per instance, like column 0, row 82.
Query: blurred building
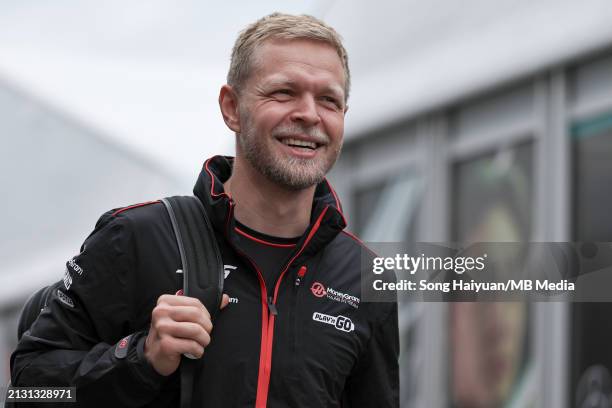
column 485, row 121
column 57, row 176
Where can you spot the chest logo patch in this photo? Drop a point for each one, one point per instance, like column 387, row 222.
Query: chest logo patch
column 319, row 290
column 227, row 269
column 67, row 279
column 339, row 322
column 65, row 299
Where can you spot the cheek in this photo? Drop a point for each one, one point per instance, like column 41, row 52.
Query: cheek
column 268, row 122
column 334, row 125
column 271, row 115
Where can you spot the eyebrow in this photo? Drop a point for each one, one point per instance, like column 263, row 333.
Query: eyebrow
column 279, row 82
column 276, row 82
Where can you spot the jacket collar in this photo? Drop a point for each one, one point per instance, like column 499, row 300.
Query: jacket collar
column 326, row 219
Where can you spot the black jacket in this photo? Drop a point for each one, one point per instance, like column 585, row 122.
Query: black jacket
column 324, row 347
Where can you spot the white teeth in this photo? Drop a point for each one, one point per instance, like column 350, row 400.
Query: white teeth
column 301, row 143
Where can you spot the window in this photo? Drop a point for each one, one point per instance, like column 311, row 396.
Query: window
column 591, row 357
column 490, row 353
column 386, row 212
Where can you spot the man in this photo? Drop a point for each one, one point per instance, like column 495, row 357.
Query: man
column 295, row 332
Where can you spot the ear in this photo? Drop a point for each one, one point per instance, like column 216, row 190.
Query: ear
column 345, row 109
column 228, row 102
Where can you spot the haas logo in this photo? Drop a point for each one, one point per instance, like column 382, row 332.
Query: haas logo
column 318, row 289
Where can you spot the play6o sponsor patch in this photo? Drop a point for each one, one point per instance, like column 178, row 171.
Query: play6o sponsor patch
column 339, row 322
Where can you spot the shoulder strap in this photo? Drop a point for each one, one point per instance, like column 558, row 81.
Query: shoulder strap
column 200, row 255
column 202, row 267
column 33, row 307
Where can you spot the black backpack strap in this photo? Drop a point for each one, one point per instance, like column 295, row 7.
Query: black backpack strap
column 202, row 267
column 33, row 307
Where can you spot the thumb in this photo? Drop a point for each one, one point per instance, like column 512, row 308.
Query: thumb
column 224, row 301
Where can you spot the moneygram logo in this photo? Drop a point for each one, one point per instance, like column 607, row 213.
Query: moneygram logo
column 318, row 289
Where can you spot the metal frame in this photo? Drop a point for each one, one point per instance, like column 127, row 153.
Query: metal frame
column 553, row 318
column 432, row 133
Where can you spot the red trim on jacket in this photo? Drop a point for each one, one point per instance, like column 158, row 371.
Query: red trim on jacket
column 337, row 200
column 359, row 241
column 224, row 194
column 265, row 326
column 119, row 211
column 261, row 241
column 212, row 182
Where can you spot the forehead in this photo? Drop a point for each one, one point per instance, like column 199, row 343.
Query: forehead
column 297, row 60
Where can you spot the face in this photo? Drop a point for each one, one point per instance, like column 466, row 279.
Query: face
column 487, row 351
column 292, row 112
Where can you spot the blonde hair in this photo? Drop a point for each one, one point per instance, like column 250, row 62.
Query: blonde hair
column 284, row 27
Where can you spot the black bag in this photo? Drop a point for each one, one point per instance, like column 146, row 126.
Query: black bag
column 202, row 273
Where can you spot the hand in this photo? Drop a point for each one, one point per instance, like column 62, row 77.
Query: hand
column 179, row 325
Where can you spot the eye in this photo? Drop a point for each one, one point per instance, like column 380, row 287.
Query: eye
column 332, row 100
column 282, row 92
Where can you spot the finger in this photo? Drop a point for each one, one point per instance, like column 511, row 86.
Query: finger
column 184, row 330
column 180, row 300
column 224, row 301
column 176, row 346
column 190, row 314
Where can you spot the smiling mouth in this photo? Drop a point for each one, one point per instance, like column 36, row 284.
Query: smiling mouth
column 303, row 144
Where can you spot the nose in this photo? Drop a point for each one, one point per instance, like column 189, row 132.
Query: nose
column 305, row 111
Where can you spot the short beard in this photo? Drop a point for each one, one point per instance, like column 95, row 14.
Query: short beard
column 291, row 173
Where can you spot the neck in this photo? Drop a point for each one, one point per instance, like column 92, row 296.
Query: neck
column 268, row 208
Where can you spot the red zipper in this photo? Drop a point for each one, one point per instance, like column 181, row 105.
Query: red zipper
column 265, row 324
column 263, row 381
column 269, row 312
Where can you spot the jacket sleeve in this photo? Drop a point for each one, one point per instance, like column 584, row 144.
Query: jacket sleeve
column 84, row 336
column 374, row 381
